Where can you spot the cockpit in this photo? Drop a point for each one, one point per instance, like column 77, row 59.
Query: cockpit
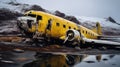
column 29, row 20
column 26, row 22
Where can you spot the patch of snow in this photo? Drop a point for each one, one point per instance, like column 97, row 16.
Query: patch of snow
column 93, row 20
column 18, row 8
column 88, row 21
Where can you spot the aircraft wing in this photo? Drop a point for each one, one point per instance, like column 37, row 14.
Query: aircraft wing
column 103, row 42
column 109, row 37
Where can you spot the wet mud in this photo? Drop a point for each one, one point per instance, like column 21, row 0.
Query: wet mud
column 15, row 52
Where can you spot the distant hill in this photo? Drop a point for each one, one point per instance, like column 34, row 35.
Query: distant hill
column 11, row 9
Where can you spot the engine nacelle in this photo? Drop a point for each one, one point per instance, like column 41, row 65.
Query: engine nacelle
column 72, row 35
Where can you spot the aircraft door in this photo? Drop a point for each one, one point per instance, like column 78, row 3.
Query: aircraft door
column 49, row 24
column 48, row 27
column 39, row 18
column 29, row 23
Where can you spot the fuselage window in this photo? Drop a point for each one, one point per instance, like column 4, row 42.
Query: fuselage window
column 86, row 32
column 49, row 24
column 69, row 27
column 83, row 31
column 64, row 26
column 74, row 28
column 39, row 18
column 57, row 24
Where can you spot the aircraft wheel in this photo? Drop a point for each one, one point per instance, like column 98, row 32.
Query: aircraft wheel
column 38, row 43
column 71, row 60
column 71, row 44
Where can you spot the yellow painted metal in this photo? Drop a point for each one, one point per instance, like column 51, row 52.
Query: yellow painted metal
column 59, row 26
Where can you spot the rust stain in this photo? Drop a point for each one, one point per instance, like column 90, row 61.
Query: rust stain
column 10, row 39
column 17, row 40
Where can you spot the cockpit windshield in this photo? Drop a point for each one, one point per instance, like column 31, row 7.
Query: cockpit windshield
column 31, row 15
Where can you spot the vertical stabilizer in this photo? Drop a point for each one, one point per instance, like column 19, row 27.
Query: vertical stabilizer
column 97, row 29
column 98, row 26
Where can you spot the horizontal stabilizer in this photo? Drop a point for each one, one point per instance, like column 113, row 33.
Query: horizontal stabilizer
column 106, row 42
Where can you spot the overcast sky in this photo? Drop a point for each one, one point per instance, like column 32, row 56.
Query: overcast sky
column 90, row 8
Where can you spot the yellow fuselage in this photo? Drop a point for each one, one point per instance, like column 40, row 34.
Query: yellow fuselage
column 56, row 27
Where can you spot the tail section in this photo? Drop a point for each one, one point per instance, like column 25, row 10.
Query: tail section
column 97, row 29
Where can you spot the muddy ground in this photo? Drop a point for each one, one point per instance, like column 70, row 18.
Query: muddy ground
column 19, row 52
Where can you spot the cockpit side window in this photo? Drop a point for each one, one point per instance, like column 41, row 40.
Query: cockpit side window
column 39, row 18
column 31, row 15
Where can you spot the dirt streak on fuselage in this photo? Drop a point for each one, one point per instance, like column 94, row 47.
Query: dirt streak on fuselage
column 56, row 27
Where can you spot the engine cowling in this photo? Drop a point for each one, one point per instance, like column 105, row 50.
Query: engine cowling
column 72, row 35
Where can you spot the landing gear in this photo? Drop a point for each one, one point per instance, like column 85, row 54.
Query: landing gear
column 41, row 42
column 71, row 44
column 23, row 31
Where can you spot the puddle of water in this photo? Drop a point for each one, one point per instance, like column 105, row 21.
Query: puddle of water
column 12, row 59
column 60, row 57
column 35, row 59
column 103, row 61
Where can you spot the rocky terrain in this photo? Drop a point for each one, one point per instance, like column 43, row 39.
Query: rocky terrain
column 16, row 52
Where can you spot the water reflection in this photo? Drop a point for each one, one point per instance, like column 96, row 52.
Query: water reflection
column 98, row 57
column 12, row 59
column 66, row 60
column 36, row 59
column 50, row 60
